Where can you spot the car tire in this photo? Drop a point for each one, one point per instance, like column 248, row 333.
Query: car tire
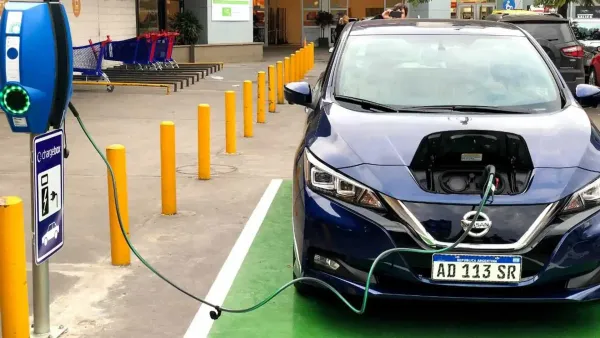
column 592, row 78
column 303, row 289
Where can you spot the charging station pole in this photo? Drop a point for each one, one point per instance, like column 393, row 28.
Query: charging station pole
column 40, row 273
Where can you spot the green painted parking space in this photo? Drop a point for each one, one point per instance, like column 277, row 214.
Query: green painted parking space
column 267, row 266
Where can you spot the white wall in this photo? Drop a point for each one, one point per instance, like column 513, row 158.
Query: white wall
column 99, row 18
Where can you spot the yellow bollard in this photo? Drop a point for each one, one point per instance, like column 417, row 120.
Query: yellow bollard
column 13, row 272
column 260, row 99
column 203, row 142
column 119, row 250
column 230, row 146
column 168, row 181
column 307, row 60
column 279, row 82
column 286, row 70
column 271, row 88
column 299, row 75
column 293, row 68
column 301, row 64
column 312, row 55
column 247, row 96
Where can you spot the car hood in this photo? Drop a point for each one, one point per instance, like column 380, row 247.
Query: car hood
column 343, row 138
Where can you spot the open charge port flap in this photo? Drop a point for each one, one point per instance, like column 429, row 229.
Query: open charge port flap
column 453, row 162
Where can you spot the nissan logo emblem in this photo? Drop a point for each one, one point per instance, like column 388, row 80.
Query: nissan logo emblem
column 482, row 224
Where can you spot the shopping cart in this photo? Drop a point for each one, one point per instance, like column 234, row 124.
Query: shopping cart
column 87, row 60
column 164, row 49
column 137, row 52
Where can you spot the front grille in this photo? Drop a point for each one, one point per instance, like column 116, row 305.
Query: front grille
column 443, row 221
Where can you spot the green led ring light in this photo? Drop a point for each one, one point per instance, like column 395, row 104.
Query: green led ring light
column 15, row 99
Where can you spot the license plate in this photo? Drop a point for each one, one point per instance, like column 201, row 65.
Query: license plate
column 476, row 268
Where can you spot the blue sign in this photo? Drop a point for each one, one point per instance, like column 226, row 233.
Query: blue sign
column 36, row 65
column 48, row 183
column 509, row 4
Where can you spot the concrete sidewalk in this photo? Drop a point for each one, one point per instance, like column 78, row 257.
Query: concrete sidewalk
column 93, row 298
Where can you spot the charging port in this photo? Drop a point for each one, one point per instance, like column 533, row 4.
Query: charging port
column 453, row 162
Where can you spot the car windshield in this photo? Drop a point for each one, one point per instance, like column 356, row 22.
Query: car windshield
column 586, row 30
column 428, row 70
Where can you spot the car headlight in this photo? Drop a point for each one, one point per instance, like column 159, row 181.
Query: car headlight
column 585, row 198
column 322, row 179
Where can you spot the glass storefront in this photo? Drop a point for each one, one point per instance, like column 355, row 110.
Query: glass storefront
column 471, row 9
column 148, row 16
column 355, row 9
column 172, row 8
column 156, row 15
column 258, row 20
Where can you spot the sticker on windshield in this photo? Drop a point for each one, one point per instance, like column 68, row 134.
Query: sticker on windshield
column 469, row 157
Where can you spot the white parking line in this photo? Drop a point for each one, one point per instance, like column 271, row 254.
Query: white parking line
column 202, row 323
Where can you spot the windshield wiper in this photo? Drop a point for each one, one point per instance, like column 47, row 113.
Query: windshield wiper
column 366, row 104
column 471, row 109
column 370, row 105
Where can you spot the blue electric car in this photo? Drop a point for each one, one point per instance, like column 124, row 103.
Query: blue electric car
column 400, row 128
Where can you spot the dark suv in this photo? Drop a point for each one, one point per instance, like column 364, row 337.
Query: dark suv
column 556, row 37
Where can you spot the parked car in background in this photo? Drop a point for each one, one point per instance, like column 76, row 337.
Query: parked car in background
column 587, row 31
column 555, row 35
column 594, row 68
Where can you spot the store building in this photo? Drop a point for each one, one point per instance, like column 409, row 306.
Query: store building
column 237, row 29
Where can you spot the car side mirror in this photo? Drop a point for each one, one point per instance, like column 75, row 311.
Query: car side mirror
column 298, row 93
column 331, row 50
column 587, row 95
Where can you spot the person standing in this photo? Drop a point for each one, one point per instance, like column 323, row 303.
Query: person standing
column 342, row 22
column 399, row 11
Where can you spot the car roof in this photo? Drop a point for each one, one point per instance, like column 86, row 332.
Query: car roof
column 434, row 27
column 533, row 18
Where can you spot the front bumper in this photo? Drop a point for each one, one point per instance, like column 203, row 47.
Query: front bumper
column 561, row 268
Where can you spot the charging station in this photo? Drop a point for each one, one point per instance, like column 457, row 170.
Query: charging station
column 36, row 72
column 36, row 76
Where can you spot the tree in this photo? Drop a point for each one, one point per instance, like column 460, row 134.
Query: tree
column 188, row 26
column 562, row 5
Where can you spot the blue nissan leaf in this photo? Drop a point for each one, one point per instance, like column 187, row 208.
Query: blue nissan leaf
column 400, row 129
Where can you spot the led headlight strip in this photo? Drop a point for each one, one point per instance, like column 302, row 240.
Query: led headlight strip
column 327, row 181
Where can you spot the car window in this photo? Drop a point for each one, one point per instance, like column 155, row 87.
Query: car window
column 557, row 32
column 586, row 30
column 416, row 70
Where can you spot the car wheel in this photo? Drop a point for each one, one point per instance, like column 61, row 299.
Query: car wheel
column 592, row 78
column 302, row 289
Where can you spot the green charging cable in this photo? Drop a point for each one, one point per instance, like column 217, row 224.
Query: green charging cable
column 488, row 192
